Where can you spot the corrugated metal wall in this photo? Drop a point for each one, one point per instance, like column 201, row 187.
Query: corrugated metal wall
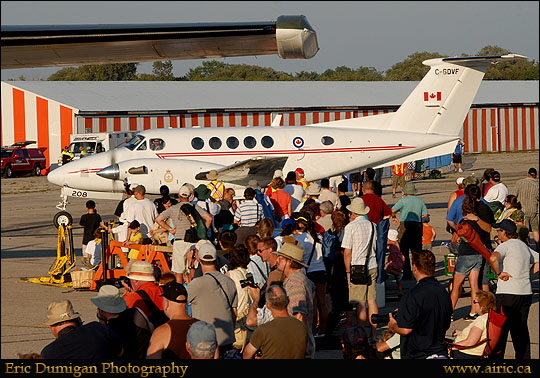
column 26, row 116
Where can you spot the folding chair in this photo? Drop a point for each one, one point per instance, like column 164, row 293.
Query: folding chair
column 494, row 330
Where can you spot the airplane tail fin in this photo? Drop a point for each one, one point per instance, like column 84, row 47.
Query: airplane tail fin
column 441, row 101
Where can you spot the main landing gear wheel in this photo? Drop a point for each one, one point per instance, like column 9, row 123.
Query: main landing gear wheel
column 62, row 217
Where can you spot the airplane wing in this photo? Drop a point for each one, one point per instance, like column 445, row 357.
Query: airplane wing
column 257, row 168
column 291, row 37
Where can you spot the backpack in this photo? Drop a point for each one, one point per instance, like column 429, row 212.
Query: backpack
column 198, row 232
column 267, row 210
column 330, row 244
column 157, row 317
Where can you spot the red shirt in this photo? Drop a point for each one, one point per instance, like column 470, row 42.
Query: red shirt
column 133, row 299
column 378, row 209
column 281, row 200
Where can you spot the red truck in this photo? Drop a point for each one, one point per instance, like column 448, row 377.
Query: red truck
column 19, row 159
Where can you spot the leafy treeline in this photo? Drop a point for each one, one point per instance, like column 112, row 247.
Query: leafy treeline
column 411, row 69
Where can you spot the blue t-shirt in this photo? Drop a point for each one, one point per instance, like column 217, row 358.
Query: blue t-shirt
column 459, row 149
column 411, row 208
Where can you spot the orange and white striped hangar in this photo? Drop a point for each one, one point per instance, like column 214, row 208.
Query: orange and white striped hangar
column 504, row 115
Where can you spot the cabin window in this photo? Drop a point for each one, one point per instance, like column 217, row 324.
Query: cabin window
column 215, row 143
column 250, row 142
column 197, row 143
column 156, row 144
column 232, row 142
column 327, row 140
column 267, row 141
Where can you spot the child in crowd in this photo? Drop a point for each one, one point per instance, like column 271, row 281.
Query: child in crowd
column 134, row 237
column 92, row 255
column 428, row 234
column 394, row 264
column 90, row 222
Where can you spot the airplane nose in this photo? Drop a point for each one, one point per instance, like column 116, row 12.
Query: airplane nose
column 112, row 172
column 56, row 176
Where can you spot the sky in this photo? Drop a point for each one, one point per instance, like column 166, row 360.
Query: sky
column 374, row 34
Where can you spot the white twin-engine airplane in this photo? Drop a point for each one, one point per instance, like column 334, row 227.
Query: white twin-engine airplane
column 427, row 124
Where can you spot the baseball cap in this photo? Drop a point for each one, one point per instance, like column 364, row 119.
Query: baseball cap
column 459, row 180
column 300, row 171
column 202, row 336
column 140, row 189
column 393, row 234
column 207, row 252
column 506, row 225
column 184, row 192
column 172, row 290
column 470, row 180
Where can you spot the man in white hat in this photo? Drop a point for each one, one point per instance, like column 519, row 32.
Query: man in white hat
column 128, row 323
column 141, row 278
column 75, row 340
column 298, row 287
column 213, row 298
column 359, row 248
column 412, row 209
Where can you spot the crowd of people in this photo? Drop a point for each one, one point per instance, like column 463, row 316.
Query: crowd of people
column 268, row 275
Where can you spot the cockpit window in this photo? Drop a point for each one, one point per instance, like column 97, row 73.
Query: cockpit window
column 142, row 146
column 156, row 144
column 133, row 143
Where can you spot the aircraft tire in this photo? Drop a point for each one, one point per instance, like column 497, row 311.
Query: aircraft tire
column 62, row 217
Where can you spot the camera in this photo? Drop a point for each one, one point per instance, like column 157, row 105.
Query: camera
column 382, row 318
column 118, row 282
column 249, row 281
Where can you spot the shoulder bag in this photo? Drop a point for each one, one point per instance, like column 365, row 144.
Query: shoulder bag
column 360, row 273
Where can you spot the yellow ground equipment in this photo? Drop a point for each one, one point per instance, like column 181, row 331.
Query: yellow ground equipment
column 59, row 272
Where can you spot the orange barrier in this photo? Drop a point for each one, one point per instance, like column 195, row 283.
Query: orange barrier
column 154, row 254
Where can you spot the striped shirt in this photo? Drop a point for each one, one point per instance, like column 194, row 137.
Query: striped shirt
column 248, row 213
column 356, row 238
column 527, row 194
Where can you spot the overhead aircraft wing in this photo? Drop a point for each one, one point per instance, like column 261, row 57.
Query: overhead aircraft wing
column 291, row 37
column 257, row 168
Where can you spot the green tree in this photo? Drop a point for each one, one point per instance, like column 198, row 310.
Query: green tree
column 519, row 69
column 163, row 70
column 97, row 72
column 343, row 73
column 411, row 69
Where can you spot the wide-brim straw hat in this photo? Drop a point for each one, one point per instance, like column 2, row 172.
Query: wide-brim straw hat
column 292, row 252
column 142, row 271
column 109, row 300
column 313, row 190
column 358, row 206
column 60, row 311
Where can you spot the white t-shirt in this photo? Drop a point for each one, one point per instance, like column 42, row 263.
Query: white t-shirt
column 94, row 250
column 479, row 322
column 306, row 241
column 516, row 258
column 143, row 211
column 497, row 192
column 296, row 192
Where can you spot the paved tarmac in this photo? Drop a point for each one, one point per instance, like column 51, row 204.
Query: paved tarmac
column 28, row 248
